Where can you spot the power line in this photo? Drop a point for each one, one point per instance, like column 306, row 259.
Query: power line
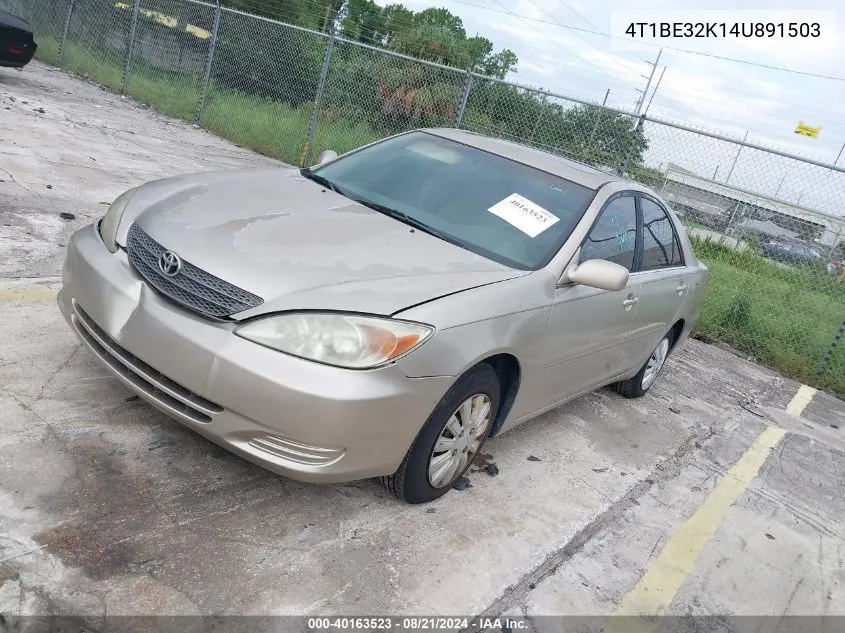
column 683, row 100
column 575, row 11
column 599, row 68
column 671, row 48
column 586, row 41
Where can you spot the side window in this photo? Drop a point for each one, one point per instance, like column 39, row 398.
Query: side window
column 614, row 235
column 660, row 244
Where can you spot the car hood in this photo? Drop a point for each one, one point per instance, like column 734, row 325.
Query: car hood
column 286, row 239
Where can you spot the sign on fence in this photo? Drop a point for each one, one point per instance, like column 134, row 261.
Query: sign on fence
column 807, row 130
column 166, row 20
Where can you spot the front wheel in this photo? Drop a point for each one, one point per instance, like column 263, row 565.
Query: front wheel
column 637, row 386
column 450, row 438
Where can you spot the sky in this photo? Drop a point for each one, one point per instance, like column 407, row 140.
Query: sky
column 726, row 97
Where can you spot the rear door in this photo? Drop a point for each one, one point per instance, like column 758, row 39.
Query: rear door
column 661, row 274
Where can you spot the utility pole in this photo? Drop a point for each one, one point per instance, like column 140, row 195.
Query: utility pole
column 736, row 158
column 654, row 92
column 715, row 171
column 641, row 100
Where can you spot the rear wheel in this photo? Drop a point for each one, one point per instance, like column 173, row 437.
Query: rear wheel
column 450, row 439
column 637, row 386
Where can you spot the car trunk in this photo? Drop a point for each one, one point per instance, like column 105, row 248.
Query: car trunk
column 17, row 45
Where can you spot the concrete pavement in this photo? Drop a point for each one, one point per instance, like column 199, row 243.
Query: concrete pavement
column 109, row 508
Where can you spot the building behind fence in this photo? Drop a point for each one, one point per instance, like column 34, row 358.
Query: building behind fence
column 289, row 92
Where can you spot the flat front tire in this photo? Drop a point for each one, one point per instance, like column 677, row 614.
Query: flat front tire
column 450, row 439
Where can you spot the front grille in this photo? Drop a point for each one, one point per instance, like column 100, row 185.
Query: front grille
column 191, row 287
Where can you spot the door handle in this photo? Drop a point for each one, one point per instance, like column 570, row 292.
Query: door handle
column 681, row 288
column 630, row 301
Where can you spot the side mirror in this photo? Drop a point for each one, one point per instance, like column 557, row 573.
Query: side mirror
column 325, row 156
column 600, row 273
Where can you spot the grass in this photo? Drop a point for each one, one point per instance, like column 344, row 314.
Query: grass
column 279, row 130
column 269, row 127
column 783, row 318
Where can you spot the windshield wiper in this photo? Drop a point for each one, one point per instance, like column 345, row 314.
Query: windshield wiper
column 320, row 180
column 406, row 219
column 393, row 213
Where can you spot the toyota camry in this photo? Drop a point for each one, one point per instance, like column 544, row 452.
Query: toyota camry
column 384, row 312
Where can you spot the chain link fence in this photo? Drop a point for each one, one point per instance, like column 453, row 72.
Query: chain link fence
column 768, row 224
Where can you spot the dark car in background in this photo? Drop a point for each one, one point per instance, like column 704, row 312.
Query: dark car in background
column 790, row 252
column 17, row 44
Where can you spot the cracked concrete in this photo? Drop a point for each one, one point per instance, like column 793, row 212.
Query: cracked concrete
column 109, row 508
column 92, row 145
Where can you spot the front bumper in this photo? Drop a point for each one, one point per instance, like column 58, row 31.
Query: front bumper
column 303, row 420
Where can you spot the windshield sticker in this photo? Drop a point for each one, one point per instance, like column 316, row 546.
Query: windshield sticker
column 528, row 217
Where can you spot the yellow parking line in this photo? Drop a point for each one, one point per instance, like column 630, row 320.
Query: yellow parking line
column 27, row 294
column 800, row 401
column 662, row 580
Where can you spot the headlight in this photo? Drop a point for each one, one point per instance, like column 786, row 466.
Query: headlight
column 354, row 342
column 111, row 221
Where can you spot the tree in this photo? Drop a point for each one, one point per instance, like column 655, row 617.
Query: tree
column 440, row 18
column 396, row 18
column 363, row 21
column 499, row 65
column 648, row 176
column 478, row 49
column 586, row 133
column 601, row 137
column 432, row 43
column 434, row 34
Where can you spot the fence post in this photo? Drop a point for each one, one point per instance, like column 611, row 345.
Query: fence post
column 136, row 8
column 623, row 167
column 305, row 159
column 539, row 118
column 833, row 344
column 464, row 98
column 593, row 133
column 835, row 243
column 212, row 46
column 65, row 31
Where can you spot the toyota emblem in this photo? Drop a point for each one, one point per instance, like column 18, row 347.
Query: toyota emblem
column 169, row 264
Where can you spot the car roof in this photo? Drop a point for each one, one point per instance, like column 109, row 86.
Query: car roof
column 571, row 170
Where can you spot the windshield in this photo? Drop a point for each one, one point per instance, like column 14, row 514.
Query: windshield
column 498, row 208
